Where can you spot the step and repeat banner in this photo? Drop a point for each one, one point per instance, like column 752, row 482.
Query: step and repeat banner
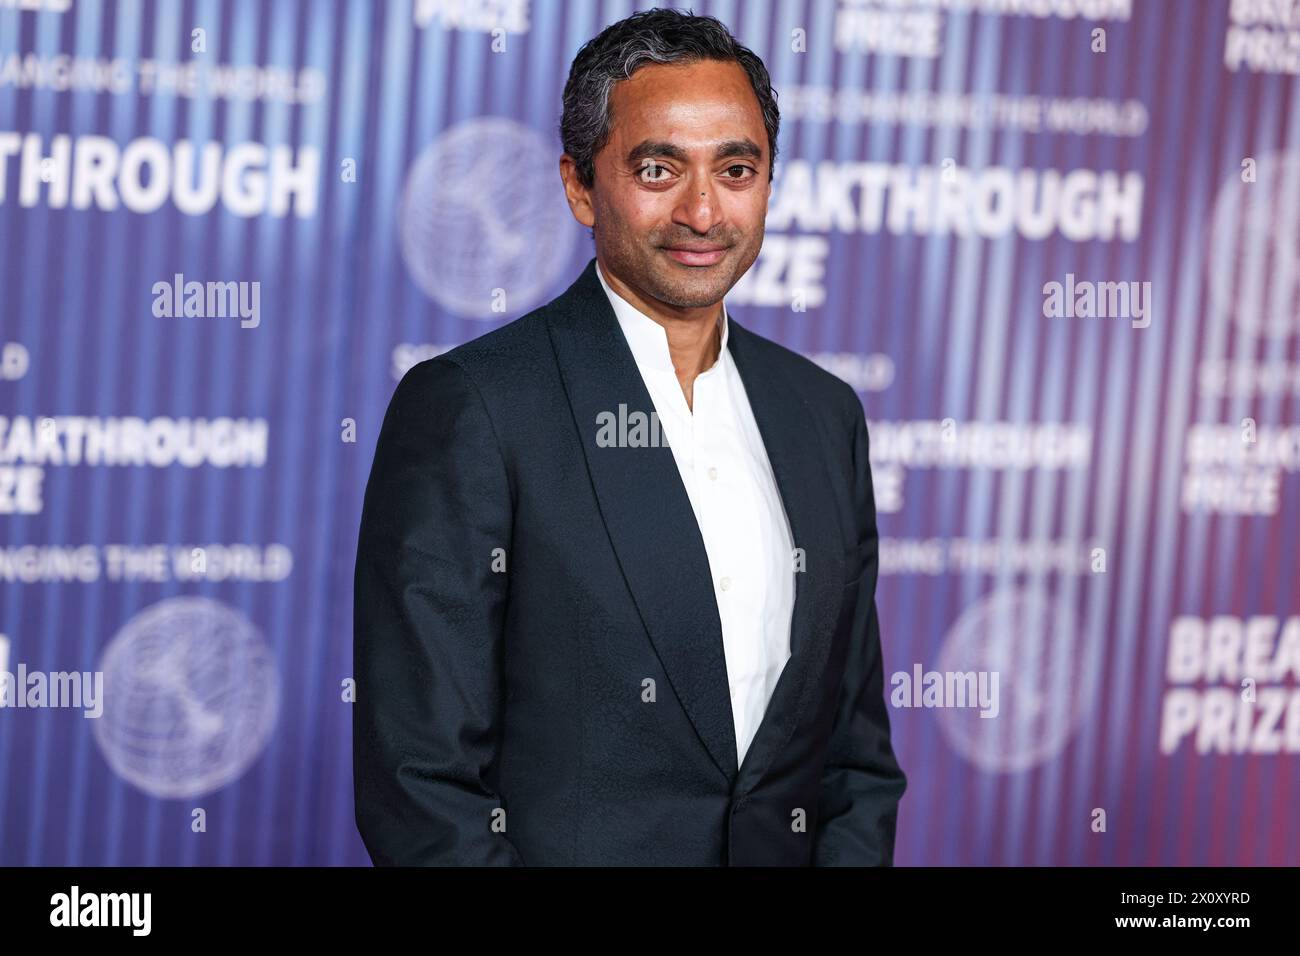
column 1053, row 244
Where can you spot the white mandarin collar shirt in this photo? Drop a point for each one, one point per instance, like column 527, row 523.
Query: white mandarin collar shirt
column 729, row 480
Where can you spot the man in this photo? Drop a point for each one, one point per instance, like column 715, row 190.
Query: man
column 617, row 564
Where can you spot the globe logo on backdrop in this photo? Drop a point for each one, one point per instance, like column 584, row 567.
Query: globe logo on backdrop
column 483, row 209
column 1045, row 682
column 191, row 695
column 1254, row 247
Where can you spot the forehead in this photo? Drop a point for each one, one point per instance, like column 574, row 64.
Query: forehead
column 708, row 99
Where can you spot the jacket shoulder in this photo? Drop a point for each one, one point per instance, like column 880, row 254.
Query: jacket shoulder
column 819, row 387
column 511, row 355
column 510, row 348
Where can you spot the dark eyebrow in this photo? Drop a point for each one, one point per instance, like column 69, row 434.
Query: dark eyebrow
column 649, row 148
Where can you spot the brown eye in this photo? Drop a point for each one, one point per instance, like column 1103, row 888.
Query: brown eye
column 649, row 167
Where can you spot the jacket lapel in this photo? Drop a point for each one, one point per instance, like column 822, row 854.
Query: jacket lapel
column 648, row 515
column 790, row 436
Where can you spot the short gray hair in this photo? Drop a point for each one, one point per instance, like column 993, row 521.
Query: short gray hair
column 650, row 36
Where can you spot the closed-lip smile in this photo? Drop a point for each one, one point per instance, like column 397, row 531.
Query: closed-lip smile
column 695, row 254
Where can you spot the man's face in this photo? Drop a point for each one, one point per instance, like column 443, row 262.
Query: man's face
column 681, row 188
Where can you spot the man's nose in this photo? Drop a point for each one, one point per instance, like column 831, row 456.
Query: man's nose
column 699, row 206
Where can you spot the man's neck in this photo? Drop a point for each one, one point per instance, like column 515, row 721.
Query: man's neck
column 694, row 334
column 695, row 351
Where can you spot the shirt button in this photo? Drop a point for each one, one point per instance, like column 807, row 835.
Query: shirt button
column 713, row 474
column 725, row 584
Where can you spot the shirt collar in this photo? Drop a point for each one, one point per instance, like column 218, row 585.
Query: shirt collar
column 646, row 337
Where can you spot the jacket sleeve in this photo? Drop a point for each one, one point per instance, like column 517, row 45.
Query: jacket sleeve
column 428, row 624
column 861, row 782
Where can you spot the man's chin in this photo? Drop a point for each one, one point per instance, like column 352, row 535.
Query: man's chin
column 693, row 295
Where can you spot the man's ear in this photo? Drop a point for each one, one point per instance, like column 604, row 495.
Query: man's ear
column 576, row 194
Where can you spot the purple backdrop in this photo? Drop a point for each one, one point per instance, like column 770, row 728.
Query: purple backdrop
column 1053, row 244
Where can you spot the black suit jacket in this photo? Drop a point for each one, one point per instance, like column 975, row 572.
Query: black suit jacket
column 573, row 708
